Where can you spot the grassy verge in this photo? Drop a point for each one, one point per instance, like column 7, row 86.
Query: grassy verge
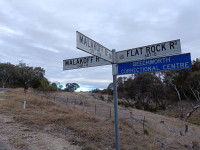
column 89, row 131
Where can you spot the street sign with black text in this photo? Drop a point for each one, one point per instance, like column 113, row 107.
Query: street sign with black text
column 90, row 46
column 150, row 51
column 84, row 62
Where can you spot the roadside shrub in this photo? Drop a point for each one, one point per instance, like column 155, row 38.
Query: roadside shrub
column 146, row 132
column 138, row 105
column 125, row 104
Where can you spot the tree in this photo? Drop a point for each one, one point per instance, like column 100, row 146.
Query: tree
column 194, row 89
column 146, row 89
column 27, row 75
column 6, row 71
column 186, row 84
column 96, row 90
column 71, row 87
column 20, row 75
column 53, row 87
column 59, row 85
column 143, row 84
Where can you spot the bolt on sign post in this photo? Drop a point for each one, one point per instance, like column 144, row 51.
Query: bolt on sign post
column 151, row 58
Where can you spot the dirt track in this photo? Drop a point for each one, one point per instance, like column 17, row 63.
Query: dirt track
column 14, row 136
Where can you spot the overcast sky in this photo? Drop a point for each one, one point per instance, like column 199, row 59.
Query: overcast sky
column 43, row 32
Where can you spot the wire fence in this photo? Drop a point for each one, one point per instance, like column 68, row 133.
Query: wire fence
column 105, row 111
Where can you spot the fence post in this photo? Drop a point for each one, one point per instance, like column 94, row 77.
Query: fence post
column 143, row 122
column 24, row 105
column 74, row 103
column 186, row 128
column 83, row 106
column 131, row 118
column 110, row 112
column 95, row 109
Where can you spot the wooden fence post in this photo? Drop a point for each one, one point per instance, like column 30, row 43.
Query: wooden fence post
column 83, row 106
column 74, row 103
column 95, row 109
column 131, row 118
column 143, row 122
column 186, row 128
column 110, row 112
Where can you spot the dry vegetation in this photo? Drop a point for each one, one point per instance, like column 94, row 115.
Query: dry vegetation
column 174, row 111
column 93, row 132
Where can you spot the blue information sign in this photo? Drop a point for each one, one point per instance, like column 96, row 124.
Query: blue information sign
column 174, row 62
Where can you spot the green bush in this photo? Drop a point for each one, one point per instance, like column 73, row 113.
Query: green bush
column 146, row 132
column 125, row 104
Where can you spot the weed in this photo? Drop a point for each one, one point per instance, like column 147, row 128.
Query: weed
column 125, row 123
column 146, row 131
column 136, row 132
column 87, row 148
column 26, row 130
column 196, row 123
column 18, row 143
column 54, row 128
column 76, row 141
column 125, row 104
column 195, row 145
column 101, row 97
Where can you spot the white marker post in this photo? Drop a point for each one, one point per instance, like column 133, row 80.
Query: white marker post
column 24, row 105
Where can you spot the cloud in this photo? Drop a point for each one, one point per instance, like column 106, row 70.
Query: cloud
column 43, row 33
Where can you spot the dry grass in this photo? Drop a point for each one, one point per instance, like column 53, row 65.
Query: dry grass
column 174, row 112
column 87, row 97
column 92, row 132
column 18, row 143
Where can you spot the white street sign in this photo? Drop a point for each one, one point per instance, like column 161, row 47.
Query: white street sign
column 90, row 46
column 84, row 62
column 150, row 51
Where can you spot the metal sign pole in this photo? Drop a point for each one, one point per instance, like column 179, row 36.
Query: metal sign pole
column 114, row 71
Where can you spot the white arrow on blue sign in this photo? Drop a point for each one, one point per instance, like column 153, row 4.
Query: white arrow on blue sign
column 174, row 62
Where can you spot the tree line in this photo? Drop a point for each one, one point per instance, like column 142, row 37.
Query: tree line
column 155, row 91
column 147, row 91
column 22, row 75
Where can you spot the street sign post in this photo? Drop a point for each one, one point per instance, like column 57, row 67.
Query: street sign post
column 90, row 46
column 150, row 51
column 84, row 62
column 175, row 62
column 114, row 72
